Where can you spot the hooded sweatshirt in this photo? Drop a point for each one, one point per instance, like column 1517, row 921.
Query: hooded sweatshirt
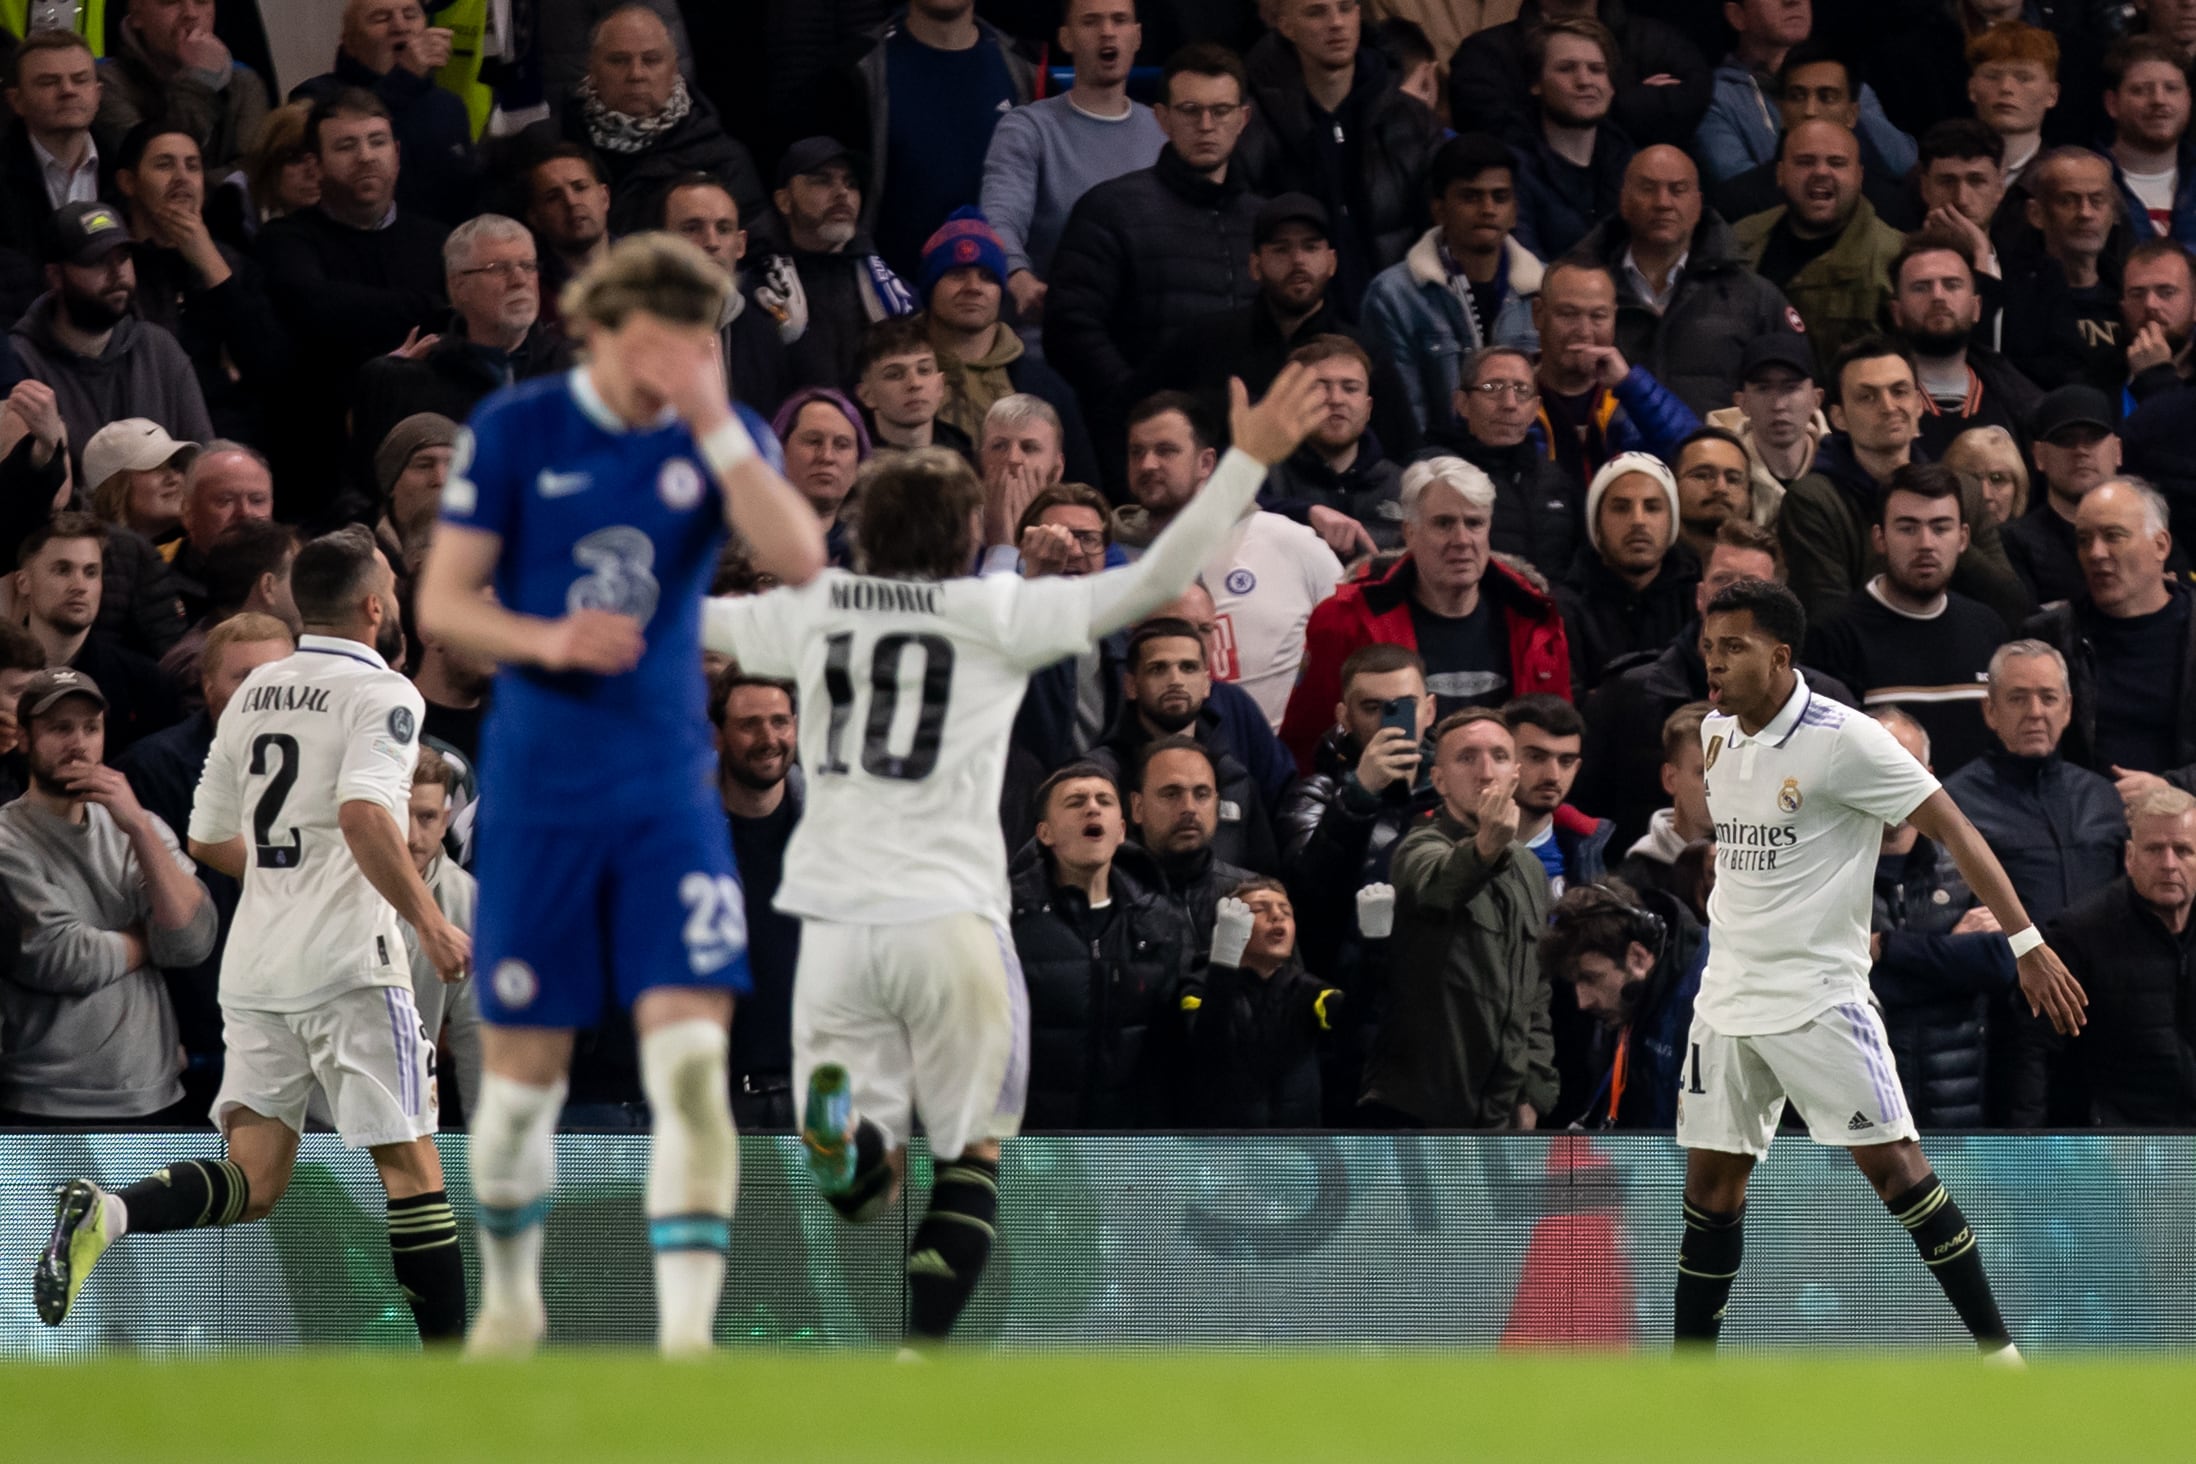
column 142, row 373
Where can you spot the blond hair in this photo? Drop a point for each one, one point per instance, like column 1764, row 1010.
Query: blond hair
column 2166, row 802
column 660, row 274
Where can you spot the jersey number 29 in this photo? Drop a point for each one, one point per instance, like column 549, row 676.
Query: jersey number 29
column 878, row 759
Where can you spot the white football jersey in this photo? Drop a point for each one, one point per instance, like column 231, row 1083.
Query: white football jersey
column 1265, row 582
column 303, row 736
column 1800, row 810
column 908, row 690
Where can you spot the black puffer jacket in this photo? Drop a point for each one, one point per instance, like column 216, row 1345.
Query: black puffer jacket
column 1245, row 834
column 1141, row 255
column 1608, row 620
column 1940, row 991
column 1367, row 490
column 1103, row 994
column 1195, row 884
column 1719, row 305
column 1379, row 209
column 1539, row 507
column 2066, row 627
column 1489, row 90
column 1254, row 1047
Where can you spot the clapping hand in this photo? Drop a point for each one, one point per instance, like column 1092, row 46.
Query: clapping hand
column 1231, row 932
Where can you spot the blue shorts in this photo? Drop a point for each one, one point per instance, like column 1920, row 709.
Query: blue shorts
column 568, row 916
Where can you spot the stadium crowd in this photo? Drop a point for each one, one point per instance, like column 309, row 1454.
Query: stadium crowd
column 1614, row 303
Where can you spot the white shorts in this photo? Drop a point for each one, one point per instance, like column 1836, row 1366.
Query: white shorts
column 1836, row 1070
column 365, row 1049
column 929, row 1018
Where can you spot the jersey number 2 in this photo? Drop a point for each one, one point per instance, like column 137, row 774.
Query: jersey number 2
column 878, row 759
column 274, row 757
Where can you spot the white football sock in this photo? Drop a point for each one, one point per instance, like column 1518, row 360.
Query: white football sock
column 693, row 1176
column 514, row 1171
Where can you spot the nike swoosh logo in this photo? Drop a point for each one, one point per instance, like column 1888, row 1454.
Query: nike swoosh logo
column 561, row 485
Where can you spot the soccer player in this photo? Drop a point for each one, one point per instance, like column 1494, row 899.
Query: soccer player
column 595, row 504
column 1801, row 790
column 314, row 757
column 907, row 999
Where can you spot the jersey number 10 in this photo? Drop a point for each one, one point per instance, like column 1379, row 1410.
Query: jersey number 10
column 878, row 759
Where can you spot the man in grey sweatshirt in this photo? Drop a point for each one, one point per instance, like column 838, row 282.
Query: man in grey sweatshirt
column 106, row 899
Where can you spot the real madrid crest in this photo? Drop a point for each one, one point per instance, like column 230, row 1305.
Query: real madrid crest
column 1788, row 797
column 1715, row 749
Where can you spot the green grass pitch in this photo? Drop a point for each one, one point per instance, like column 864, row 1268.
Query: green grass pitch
column 1200, row 1408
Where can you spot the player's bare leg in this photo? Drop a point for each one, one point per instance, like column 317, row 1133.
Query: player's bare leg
column 514, row 1174
column 423, row 1238
column 1708, row 1256
column 694, row 1159
column 1910, row 1189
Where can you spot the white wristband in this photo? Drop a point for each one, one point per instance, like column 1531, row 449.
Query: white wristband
column 2025, row 940
column 727, row 446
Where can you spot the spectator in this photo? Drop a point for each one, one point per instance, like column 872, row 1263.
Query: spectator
column 390, row 52
column 1631, row 586
column 2076, row 443
column 1257, row 1018
column 494, row 338
column 2058, row 829
column 1168, row 690
column 1651, row 863
column 1465, row 1040
column 1991, row 471
column 842, row 285
column 1772, row 59
column 1687, row 304
column 1660, row 80
column 80, row 338
column 568, row 208
column 1337, row 482
column 1483, row 633
column 1595, row 404
column 168, row 63
column 931, row 90
column 49, row 158
column 454, row 686
column 21, row 658
column 1571, row 160
column 1150, row 250
column 1776, row 413
column 247, row 573
column 2167, row 21
column 57, row 589
column 825, row 445
column 1935, row 310
column 1906, row 640
column 1102, row 949
column 227, row 481
column 2130, row 946
column 205, row 294
column 1328, row 120
column 1715, row 484
column 105, row 897
column 647, row 125
column 1824, row 246
column 135, row 472
column 2062, row 315
column 2013, row 81
column 280, row 175
column 1497, row 401
column 1549, row 737
column 566, row 44
column 1243, row 732
column 1044, row 157
column 763, row 793
column 963, row 266
column 901, row 390
column 1072, row 704
column 448, row 1010
column 1018, row 455
column 1961, row 182
column 1635, row 969
column 1466, row 285
column 699, row 209
column 1413, row 59
column 1174, row 801
column 1815, row 84
column 2129, row 643
column 410, row 468
column 2157, row 310
column 2146, row 96
column 1265, row 579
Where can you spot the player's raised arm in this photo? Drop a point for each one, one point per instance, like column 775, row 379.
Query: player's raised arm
column 1263, row 435
column 2049, row 987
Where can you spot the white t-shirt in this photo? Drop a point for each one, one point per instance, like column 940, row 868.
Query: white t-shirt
column 1267, row 577
column 2155, row 192
column 303, row 736
column 1800, row 809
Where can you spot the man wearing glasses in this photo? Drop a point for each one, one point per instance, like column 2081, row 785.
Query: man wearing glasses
column 1536, row 517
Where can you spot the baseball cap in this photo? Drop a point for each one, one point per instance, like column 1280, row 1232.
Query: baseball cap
column 48, row 689
column 1778, row 348
column 132, row 444
column 2072, row 406
column 1289, row 208
column 85, row 233
column 811, row 153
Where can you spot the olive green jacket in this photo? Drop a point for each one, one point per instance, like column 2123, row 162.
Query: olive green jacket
column 1840, row 293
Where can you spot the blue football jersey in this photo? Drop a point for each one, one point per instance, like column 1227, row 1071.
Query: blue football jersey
column 593, row 515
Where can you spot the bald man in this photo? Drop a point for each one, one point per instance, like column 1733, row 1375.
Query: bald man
column 1687, row 302
column 389, row 49
column 1823, row 246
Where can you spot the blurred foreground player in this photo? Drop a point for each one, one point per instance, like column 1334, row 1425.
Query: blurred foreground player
column 1801, row 790
column 908, row 999
column 595, row 504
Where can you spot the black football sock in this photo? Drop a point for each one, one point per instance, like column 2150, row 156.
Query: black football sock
column 1708, row 1262
column 866, row 1194
column 945, row 1259
column 423, row 1247
column 1947, row 1242
column 187, row 1196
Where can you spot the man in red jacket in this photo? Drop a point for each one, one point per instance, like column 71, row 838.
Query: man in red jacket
column 1485, row 635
